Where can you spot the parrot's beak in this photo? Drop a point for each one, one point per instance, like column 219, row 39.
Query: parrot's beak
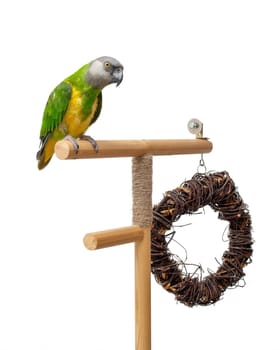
column 117, row 76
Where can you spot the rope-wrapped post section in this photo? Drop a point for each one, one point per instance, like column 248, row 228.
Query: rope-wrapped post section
column 142, row 217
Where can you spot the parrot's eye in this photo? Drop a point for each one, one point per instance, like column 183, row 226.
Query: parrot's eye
column 107, row 65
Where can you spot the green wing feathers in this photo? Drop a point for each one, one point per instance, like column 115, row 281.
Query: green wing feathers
column 54, row 112
column 56, row 107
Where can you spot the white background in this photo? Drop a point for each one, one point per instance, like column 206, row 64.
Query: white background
column 214, row 60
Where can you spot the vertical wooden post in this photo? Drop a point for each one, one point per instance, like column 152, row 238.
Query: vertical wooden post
column 142, row 216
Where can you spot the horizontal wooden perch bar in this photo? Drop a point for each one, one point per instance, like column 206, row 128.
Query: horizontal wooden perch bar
column 109, row 238
column 131, row 148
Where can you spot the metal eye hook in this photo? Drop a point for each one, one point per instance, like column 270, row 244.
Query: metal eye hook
column 201, row 169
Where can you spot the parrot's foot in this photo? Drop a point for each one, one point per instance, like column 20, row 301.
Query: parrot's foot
column 73, row 141
column 91, row 141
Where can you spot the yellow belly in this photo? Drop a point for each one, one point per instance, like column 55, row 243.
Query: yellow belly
column 73, row 119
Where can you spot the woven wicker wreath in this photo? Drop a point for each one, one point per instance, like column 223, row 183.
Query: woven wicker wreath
column 219, row 192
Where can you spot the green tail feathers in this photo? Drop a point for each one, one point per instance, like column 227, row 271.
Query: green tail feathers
column 46, row 151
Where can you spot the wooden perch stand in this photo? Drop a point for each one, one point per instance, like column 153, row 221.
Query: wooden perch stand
column 140, row 231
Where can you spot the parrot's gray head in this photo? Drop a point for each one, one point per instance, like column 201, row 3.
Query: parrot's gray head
column 104, row 71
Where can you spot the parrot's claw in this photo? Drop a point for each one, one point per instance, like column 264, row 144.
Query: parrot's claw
column 73, row 141
column 91, row 141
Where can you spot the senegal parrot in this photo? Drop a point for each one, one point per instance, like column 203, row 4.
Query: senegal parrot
column 75, row 104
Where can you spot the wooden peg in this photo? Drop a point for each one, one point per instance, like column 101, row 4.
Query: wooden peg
column 109, row 238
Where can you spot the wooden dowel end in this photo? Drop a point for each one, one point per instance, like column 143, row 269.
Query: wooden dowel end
column 109, row 238
column 63, row 149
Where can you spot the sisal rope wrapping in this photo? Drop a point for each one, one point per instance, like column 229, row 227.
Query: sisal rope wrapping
column 142, row 169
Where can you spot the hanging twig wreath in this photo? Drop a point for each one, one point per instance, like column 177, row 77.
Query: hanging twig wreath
column 219, row 192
